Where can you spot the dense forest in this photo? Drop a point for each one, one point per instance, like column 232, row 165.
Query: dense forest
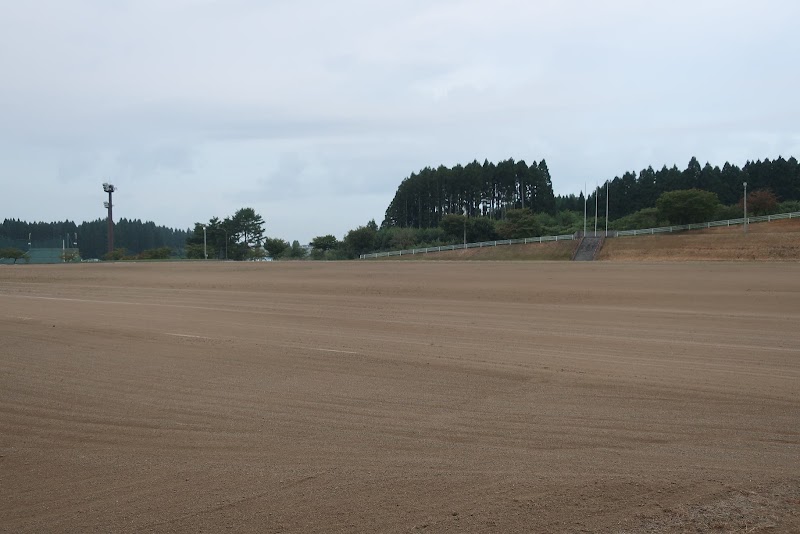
column 133, row 235
column 486, row 190
column 511, row 199
column 490, row 190
column 631, row 192
column 474, row 202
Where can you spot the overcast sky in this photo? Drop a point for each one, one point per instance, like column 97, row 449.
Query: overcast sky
column 313, row 111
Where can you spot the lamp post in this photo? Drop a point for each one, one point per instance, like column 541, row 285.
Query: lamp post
column 109, row 188
column 205, row 247
column 745, row 207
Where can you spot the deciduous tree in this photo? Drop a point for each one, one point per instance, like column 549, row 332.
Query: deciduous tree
column 686, row 206
column 275, row 246
column 359, row 241
column 760, row 202
column 324, row 242
column 519, row 224
column 13, row 253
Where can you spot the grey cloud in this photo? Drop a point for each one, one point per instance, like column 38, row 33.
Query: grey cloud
column 299, row 103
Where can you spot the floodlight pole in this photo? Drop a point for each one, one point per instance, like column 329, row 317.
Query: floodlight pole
column 465, row 227
column 596, row 190
column 205, row 248
column 606, row 208
column 585, row 200
column 745, row 207
column 109, row 188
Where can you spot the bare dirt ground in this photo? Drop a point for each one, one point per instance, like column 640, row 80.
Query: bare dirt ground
column 400, row 397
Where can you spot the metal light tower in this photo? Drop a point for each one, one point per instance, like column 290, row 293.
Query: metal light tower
column 205, row 246
column 109, row 188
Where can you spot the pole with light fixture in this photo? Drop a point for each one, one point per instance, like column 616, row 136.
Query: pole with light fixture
column 745, row 207
column 109, row 188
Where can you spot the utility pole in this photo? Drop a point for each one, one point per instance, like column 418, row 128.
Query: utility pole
column 109, row 188
column 585, row 200
column 465, row 227
column 226, row 242
column 596, row 190
column 745, row 207
column 606, row 208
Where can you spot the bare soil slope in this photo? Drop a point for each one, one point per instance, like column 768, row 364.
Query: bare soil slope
column 778, row 240
column 400, row 397
column 771, row 241
column 554, row 250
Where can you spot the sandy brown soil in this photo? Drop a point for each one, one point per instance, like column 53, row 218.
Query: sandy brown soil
column 400, row 397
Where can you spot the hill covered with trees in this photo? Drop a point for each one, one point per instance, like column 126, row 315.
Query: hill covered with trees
column 510, row 199
column 132, row 235
column 476, row 190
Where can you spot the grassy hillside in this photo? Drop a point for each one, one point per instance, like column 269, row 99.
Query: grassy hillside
column 770, row 241
column 556, row 250
column 778, row 240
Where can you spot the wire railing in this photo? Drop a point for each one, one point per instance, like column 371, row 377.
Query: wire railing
column 577, row 235
column 700, row 226
column 461, row 246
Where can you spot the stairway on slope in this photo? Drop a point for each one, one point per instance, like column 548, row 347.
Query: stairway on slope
column 588, row 249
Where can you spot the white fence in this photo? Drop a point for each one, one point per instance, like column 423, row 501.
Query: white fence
column 543, row 239
column 568, row 237
column 700, row 226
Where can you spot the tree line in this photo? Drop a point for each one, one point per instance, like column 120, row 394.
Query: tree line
column 490, row 190
column 238, row 237
column 632, row 192
column 474, row 202
column 476, row 190
column 484, row 202
column 131, row 236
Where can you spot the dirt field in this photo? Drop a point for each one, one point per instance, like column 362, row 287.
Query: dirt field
column 400, row 397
